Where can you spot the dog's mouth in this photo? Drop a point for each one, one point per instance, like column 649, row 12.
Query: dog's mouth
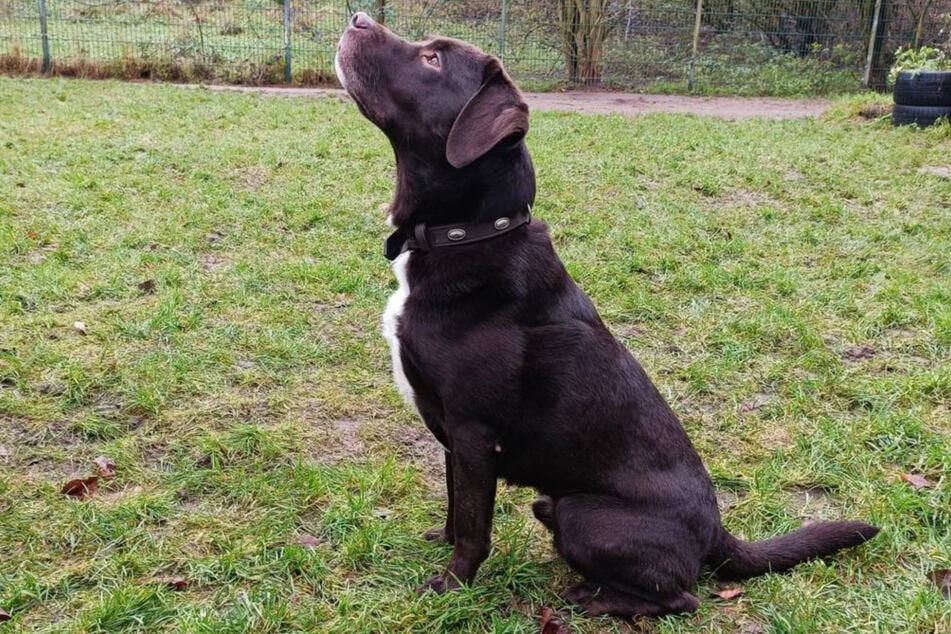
column 351, row 67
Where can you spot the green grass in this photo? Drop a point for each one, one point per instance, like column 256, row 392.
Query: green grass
column 247, row 400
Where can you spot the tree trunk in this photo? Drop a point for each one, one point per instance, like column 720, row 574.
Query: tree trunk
column 582, row 27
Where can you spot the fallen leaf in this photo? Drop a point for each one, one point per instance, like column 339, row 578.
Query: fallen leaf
column 631, row 331
column 307, row 541
column 759, row 401
column 178, row 583
column 106, row 467
column 4, row 615
column 175, row 583
column 942, row 579
column 551, row 624
column 81, row 488
column 106, row 409
column 80, row 327
column 916, row 481
column 857, row 353
column 209, row 262
column 148, row 286
column 727, row 593
column 340, row 301
column 52, row 388
column 137, row 421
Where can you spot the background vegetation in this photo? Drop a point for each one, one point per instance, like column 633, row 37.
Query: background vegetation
column 779, row 47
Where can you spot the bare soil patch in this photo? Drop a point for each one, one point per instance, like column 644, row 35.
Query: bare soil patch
column 592, row 102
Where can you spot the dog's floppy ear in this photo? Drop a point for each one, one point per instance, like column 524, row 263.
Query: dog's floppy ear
column 492, row 115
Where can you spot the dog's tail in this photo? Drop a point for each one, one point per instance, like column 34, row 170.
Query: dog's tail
column 734, row 559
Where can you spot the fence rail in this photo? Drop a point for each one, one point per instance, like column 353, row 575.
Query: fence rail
column 737, row 46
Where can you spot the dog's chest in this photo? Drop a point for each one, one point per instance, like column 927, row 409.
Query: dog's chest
column 395, row 306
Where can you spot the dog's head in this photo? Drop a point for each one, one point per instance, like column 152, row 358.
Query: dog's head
column 445, row 101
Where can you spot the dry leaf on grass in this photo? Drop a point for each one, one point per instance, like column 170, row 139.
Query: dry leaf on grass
column 551, row 624
column 4, row 615
column 80, row 327
column 106, row 467
column 382, row 513
column 942, row 579
column 758, row 402
column 917, row 481
column 175, row 583
column 858, row 353
column 148, row 286
column 81, row 488
column 307, row 541
column 727, row 593
column 178, row 583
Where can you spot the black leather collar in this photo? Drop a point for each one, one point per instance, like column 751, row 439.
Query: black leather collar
column 425, row 238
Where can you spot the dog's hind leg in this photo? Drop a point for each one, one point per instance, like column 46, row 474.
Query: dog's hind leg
column 596, row 600
column 634, row 562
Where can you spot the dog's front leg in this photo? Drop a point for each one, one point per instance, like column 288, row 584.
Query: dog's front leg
column 472, row 470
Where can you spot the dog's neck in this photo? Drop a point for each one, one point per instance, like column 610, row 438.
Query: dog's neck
column 481, row 192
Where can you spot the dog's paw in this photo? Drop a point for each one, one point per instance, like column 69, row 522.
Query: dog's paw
column 544, row 510
column 580, row 594
column 438, row 535
column 439, row 584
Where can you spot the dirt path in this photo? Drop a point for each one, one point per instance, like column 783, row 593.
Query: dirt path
column 624, row 103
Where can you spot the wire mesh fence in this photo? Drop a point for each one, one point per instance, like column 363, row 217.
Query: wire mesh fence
column 736, row 46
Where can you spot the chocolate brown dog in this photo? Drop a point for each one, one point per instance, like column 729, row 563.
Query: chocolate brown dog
column 508, row 362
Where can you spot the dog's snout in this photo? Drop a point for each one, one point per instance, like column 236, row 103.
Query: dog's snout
column 361, row 20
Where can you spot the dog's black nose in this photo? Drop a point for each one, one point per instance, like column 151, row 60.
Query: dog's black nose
column 361, row 20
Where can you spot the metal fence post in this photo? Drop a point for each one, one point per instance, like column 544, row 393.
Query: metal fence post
column 287, row 41
column 505, row 14
column 872, row 44
column 45, row 38
column 696, row 44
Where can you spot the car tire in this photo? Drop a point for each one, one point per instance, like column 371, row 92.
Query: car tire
column 923, row 88
column 921, row 115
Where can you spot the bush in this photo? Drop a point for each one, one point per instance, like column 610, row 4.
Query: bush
column 924, row 58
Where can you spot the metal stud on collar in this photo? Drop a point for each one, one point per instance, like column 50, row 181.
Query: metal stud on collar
column 502, row 223
column 456, row 234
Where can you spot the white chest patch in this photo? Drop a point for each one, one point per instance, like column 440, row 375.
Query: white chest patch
column 391, row 321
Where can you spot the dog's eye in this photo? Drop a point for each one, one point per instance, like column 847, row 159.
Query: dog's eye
column 432, row 59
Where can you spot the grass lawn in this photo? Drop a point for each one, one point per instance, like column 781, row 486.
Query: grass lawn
column 786, row 284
